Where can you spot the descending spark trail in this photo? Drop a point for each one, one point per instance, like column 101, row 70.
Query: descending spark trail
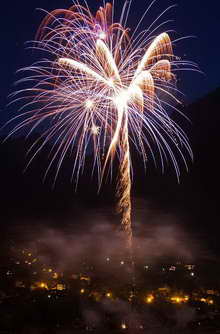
column 106, row 89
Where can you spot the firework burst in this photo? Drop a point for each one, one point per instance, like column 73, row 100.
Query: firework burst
column 105, row 89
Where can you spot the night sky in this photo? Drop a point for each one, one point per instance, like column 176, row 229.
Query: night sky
column 200, row 18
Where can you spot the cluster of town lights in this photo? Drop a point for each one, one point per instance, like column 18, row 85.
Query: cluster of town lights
column 178, row 299
column 148, row 299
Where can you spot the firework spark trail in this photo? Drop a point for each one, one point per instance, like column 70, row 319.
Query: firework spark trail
column 105, row 89
column 124, row 185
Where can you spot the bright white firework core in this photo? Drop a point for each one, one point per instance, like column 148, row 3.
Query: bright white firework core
column 121, row 100
column 95, row 130
column 102, row 35
column 89, row 104
column 111, row 82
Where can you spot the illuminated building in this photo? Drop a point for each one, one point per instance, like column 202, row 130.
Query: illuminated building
column 85, row 278
column 172, row 268
column 149, row 299
column 108, row 294
column 39, row 285
column 55, row 275
column 60, row 287
column 19, row 284
column 123, row 325
column 189, row 266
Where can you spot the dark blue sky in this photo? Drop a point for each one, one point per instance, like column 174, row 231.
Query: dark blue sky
column 201, row 18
